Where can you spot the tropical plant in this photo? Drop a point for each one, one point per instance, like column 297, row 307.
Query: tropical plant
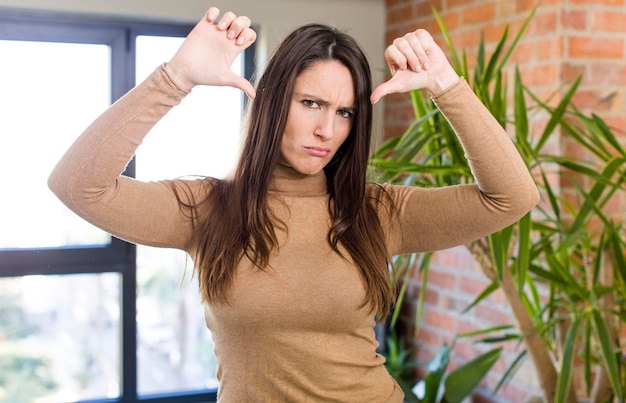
column 562, row 267
column 437, row 386
column 401, row 363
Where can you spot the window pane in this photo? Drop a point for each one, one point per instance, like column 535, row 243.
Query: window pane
column 60, row 338
column 50, row 92
column 199, row 137
column 175, row 349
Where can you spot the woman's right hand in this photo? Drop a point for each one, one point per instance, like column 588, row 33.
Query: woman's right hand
column 206, row 55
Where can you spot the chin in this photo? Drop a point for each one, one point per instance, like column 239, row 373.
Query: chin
column 309, row 170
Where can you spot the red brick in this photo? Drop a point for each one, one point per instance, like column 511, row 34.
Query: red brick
column 465, row 40
column 392, row 34
column 405, row 12
column 458, row 3
column 514, row 393
column 615, row 207
column 473, row 285
column 575, row 19
column 454, row 302
column 441, row 279
column 599, row 2
column 480, row 13
column 390, row 3
column 493, row 32
column 618, row 123
column 550, row 49
column 432, row 297
column 428, row 24
column 426, row 7
column 498, row 297
column 609, row 21
column 428, row 336
column 492, row 314
column 539, row 75
column 441, row 320
column 611, row 74
column 506, row 9
column 458, row 258
column 543, row 24
column 571, row 148
column 595, row 100
column 451, row 21
column 571, row 72
column 465, row 325
column 527, row 5
column 604, row 48
column 464, row 350
column 393, row 131
column 426, row 353
column 524, row 52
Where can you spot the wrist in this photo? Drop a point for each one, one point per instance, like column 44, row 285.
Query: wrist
column 177, row 77
column 443, row 81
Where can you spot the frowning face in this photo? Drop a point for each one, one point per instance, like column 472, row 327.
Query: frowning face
column 320, row 117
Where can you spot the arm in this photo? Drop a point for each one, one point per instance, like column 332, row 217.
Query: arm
column 88, row 178
column 432, row 219
column 439, row 218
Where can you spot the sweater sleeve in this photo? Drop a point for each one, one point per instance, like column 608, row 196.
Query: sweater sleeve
column 504, row 191
column 88, row 178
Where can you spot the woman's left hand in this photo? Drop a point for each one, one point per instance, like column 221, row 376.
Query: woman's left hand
column 416, row 61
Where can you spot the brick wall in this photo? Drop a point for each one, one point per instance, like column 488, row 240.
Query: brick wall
column 565, row 39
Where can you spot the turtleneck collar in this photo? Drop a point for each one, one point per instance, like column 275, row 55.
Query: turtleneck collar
column 287, row 180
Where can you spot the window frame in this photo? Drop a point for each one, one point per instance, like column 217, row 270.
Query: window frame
column 119, row 33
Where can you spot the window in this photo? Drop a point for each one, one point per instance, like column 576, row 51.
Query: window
column 83, row 315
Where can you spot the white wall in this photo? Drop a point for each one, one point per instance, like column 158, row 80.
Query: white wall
column 364, row 19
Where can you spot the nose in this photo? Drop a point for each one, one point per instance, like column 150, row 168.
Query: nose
column 324, row 128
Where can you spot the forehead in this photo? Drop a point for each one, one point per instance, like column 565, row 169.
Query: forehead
column 329, row 80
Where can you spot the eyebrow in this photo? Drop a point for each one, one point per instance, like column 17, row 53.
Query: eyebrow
column 323, row 101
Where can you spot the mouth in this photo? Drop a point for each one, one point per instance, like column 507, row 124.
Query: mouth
column 317, row 151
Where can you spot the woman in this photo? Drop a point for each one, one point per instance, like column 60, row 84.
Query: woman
column 292, row 251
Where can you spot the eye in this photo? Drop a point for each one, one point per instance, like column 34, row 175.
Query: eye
column 344, row 113
column 309, row 103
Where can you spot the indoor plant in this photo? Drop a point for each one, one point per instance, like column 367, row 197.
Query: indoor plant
column 571, row 252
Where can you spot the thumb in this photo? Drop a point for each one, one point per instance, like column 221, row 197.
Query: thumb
column 383, row 89
column 244, row 85
column 401, row 82
column 378, row 93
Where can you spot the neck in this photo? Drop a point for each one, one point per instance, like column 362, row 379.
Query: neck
column 287, row 180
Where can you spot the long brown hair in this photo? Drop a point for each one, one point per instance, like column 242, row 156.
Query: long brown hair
column 235, row 221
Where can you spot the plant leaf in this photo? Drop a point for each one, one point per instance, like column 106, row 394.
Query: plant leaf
column 486, row 292
column 419, row 314
column 565, row 377
column 523, row 253
column 436, row 370
column 511, row 371
column 608, row 354
column 556, row 115
column 462, row 381
column 618, row 248
column 446, row 37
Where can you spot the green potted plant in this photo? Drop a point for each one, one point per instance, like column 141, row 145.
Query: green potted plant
column 572, row 251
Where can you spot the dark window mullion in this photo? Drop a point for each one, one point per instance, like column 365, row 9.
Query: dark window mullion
column 122, row 80
column 119, row 256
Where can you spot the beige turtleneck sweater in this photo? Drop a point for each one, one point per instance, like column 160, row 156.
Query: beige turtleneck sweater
column 296, row 332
